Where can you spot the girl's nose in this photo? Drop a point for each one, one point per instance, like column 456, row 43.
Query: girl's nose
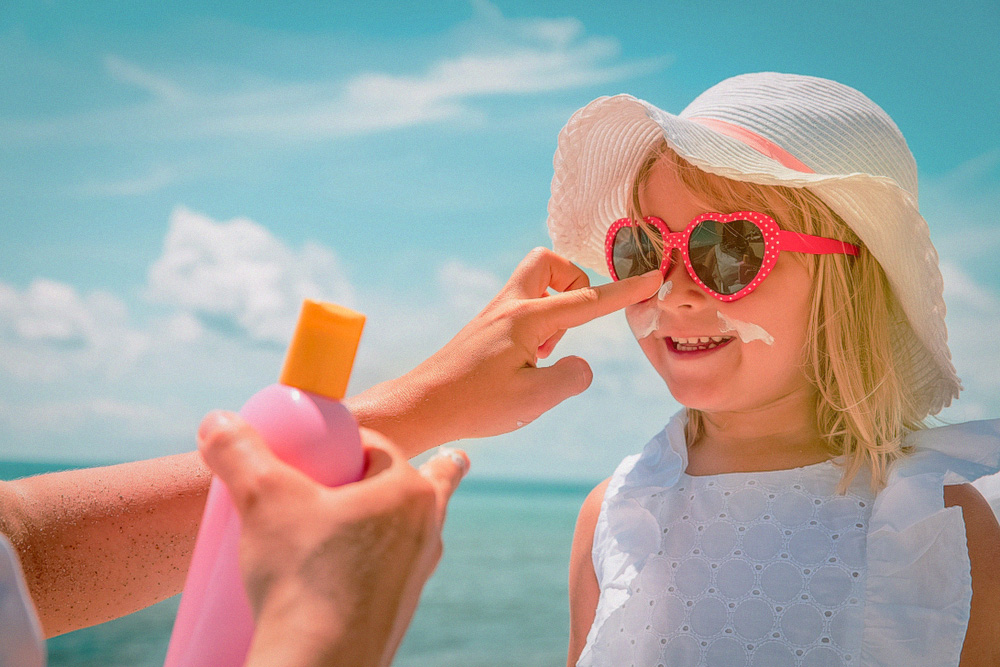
column 680, row 291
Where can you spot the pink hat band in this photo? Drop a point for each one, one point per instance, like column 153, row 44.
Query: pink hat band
column 756, row 142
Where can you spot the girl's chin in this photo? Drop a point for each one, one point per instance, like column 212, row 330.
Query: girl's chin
column 697, row 398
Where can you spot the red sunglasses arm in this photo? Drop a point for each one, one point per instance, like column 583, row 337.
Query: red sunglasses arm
column 814, row 245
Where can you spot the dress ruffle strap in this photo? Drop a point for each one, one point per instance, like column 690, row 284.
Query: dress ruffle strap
column 919, row 585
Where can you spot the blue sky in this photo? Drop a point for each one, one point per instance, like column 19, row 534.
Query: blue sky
column 177, row 176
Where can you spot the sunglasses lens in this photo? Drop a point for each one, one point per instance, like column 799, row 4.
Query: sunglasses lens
column 727, row 256
column 636, row 250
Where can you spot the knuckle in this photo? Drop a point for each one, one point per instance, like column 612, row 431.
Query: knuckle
column 509, row 316
column 586, row 295
column 540, row 253
column 263, row 482
column 518, row 310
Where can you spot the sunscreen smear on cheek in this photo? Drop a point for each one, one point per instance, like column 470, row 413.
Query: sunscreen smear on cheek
column 747, row 331
column 643, row 319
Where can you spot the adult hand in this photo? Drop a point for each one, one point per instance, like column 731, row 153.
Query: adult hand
column 486, row 380
column 333, row 574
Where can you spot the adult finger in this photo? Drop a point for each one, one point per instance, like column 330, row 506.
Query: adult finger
column 445, row 471
column 542, row 269
column 576, row 307
column 237, row 454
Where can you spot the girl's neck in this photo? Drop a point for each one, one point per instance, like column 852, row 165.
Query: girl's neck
column 779, row 435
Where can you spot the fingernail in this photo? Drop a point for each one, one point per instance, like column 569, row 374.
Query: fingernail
column 659, row 282
column 217, row 420
column 453, row 454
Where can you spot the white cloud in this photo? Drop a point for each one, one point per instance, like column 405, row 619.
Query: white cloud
column 188, row 369
column 69, row 418
column 97, row 429
column 491, row 56
column 501, row 57
column 238, row 273
column 154, row 180
column 158, row 86
column 963, row 210
column 973, row 316
column 183, row 327
column 467, row 288
column 48, row 330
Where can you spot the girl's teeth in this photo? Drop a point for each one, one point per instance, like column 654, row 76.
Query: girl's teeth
column 699, row 343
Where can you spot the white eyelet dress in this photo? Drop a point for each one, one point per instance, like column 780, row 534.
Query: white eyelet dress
column 778, row 569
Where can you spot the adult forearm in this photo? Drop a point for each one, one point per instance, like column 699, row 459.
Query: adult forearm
column 99, row 543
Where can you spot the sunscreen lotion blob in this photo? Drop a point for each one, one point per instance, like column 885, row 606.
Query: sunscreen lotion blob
column 305, row 425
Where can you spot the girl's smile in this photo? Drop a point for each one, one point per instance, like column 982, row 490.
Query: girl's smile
column 692, row 346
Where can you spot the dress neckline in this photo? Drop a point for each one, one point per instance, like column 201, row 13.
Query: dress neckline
column 828, row 462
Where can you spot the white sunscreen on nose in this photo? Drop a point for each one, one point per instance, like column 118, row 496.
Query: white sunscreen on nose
column 745, row 330
column 665, row 290
column 643, row 320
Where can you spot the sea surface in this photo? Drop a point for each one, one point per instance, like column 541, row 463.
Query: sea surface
column 498, row 597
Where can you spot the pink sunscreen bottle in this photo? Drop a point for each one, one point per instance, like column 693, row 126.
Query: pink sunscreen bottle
column 305, row 425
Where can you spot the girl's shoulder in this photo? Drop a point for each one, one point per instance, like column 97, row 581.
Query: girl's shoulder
column 982, row 533
column 591, row 508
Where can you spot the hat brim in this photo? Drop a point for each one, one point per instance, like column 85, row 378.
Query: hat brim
column 603, row 145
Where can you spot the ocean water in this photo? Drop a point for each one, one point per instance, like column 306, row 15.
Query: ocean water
column 498, row 597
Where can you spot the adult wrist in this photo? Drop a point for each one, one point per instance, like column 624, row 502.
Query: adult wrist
column 292, row 632
column 398, row 409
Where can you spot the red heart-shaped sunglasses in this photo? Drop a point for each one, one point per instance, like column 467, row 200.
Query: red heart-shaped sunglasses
column 728, row 255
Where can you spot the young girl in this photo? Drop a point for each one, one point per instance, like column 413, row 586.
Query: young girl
column 796, row 511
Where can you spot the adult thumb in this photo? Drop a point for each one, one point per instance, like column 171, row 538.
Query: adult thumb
column 237, row 454
column 445, row 471
column 567, row 377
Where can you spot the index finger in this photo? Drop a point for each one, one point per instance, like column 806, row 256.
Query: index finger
column 579, row 306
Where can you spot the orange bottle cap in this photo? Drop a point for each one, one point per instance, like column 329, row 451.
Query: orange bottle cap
column 321, row 354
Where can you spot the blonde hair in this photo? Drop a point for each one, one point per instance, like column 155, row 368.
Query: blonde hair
column 864, row 407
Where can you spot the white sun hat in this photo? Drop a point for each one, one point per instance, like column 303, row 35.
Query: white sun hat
column 771, row 129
